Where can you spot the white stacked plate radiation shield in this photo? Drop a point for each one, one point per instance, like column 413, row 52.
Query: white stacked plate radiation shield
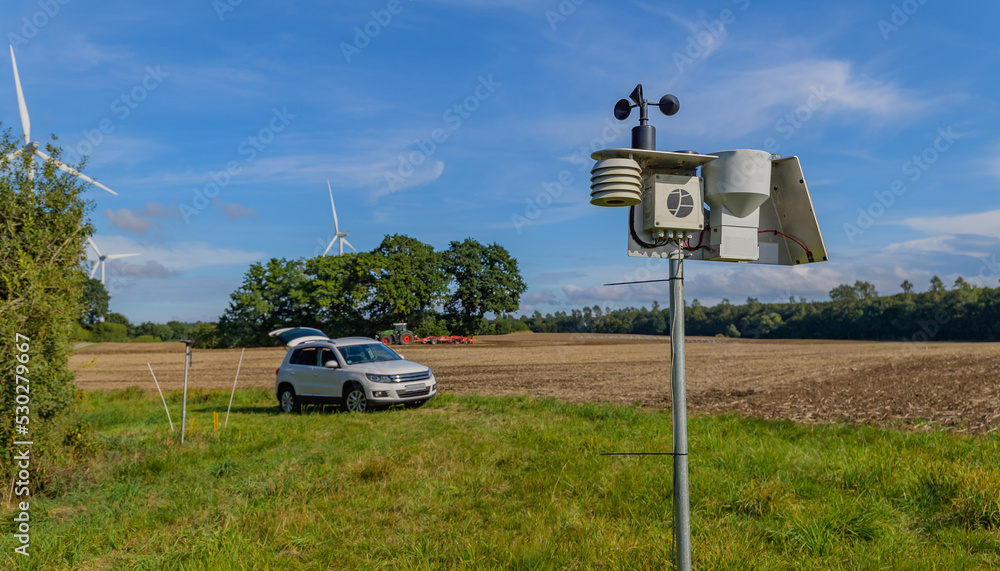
column 616, row 182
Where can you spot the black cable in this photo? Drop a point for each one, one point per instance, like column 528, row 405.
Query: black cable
column 631, row 229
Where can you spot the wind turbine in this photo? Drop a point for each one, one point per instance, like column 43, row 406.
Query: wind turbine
column 32, row 148
column 338, row 235
column 101, row 258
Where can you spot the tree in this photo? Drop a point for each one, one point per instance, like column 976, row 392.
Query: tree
column 865, row 290
column 843, row 294
column 271, row 296
column 486, row 280
column 120, row 319
column 178, row 330
column 160, row 330
column 937, row 286
column 405, row 280
column 95, row 300
column 204, row 335
column 649, row 324
column 338, row 291
column 907, row 286
column 45, row 227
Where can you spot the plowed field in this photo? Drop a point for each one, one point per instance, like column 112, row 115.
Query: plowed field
column 952, row 385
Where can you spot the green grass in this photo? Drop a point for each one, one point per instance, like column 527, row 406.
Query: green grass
column 499, row 483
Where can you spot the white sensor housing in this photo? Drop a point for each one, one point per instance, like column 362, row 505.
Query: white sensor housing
column 672, row 202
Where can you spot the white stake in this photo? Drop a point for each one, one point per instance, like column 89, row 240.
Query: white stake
column 234, row 388
column 161, row 397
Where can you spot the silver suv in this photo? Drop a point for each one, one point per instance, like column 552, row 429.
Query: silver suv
column 358, row 373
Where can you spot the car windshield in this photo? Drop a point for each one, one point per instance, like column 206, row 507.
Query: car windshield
column 354, row 354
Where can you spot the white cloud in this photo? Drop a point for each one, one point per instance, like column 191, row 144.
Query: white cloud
column 814, row 87
column 978, row 223
column 183, row 256
column 936, row 245
column 148, row 269
column 138, row 222
column 129, row 221
column 421, row 177
column 235, row 210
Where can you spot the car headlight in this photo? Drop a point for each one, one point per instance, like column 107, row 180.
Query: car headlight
column 379, row 378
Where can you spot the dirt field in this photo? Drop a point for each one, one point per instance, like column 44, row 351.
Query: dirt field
column 954, row 385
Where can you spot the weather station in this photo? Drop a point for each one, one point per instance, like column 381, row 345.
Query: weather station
column 745, row 206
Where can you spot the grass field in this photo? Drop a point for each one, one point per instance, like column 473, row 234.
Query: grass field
column 474, row 482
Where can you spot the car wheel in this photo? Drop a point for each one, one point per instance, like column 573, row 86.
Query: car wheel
column 355, row 399
column 414, row 404
column 287, row 400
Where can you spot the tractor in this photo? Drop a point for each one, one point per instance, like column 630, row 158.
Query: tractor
column 399, row 335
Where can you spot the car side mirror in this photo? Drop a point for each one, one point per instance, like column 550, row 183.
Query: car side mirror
column 401, row 355
column 331, row 364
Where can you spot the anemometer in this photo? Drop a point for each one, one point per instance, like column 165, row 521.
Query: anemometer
column 745, row 206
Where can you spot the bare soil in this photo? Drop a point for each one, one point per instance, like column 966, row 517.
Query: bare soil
column 951, row 385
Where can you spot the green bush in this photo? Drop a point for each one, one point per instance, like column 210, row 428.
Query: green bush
column 109, row 333
column 44, row 218
column 505, row 326
column 146, row 339
column 80, row 333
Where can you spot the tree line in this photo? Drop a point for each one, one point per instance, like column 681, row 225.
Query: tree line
column 403, row 279
column 963, row 312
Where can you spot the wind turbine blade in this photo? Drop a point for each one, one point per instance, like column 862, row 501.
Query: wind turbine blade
column 344, row 241
column 15, row 154
column 330, row 246
column 336, row 225
column 73, row 171
column 25, row 121
column 94, row 269
column 116, row 256
column 94, row 246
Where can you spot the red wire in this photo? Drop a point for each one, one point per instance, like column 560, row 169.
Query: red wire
column 779, row 233
column 701, row 239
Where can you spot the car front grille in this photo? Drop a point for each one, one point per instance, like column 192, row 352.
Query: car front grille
column 410, row 377
column 417, row 393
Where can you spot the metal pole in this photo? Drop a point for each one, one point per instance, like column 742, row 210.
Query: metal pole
column 682, row 507
column 187, row 359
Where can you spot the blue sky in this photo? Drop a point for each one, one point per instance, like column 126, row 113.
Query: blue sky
column 446, row 119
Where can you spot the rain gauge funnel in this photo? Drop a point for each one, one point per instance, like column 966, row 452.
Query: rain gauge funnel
column 739, row 181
